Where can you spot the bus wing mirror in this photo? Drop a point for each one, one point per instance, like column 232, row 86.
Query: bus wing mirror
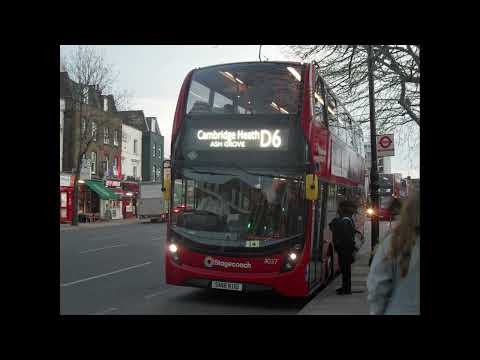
column 311, row 187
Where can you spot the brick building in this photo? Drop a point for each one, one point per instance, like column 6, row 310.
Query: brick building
column 101, row 127
column 101, row 122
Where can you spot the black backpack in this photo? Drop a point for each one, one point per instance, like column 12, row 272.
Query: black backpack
column 356, row 245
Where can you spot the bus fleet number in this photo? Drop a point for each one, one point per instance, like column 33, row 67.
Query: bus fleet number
column 270, row 261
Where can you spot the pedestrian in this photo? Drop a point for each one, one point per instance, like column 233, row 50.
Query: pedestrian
column 394, row 279
column 343, row 233
column 395, row 207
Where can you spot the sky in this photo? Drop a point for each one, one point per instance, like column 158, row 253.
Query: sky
column 154, row 75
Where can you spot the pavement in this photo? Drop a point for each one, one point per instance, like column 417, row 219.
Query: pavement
column 327, row 302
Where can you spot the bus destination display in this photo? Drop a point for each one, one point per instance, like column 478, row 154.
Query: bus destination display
column 239, row 139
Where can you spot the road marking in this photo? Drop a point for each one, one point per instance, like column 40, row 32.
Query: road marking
column 148, row 297
column 103, row 275
column 103, row 248
column 105, row 311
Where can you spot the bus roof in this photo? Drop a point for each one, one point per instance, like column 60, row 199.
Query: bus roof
column 252, row 62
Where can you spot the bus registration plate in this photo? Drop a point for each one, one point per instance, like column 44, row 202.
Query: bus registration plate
column 226, row 285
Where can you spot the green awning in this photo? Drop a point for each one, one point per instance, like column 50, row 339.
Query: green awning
column 101, row 190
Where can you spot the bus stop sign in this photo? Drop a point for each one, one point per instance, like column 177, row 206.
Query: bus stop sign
column 385, row 146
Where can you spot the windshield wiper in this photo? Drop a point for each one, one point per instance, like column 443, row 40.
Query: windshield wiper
column 266, row 173
column 209, row 172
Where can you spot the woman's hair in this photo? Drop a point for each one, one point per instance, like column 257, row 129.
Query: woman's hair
column 404, row 235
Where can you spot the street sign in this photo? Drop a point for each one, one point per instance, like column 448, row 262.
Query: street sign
column 66, row 180
column 385, row 145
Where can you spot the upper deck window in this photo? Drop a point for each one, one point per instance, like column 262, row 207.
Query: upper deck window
column 253, row 88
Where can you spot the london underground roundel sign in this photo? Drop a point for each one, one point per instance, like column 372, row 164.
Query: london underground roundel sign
column 385, row 145
column 385, row 142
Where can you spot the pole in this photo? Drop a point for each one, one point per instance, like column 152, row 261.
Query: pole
column 78, row 161
column 373, row 143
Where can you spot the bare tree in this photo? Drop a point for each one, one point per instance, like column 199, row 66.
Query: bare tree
column 90, row 73
column 397, row 80
column 123, row 99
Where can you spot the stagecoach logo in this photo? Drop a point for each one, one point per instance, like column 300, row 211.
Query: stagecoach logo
column 209, row 262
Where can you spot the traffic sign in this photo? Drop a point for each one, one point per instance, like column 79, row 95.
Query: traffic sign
column 385, row 145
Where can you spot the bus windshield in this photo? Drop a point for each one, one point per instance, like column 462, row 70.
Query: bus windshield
column 237, row 209
column 385, row 201
column 251, row 88
column 385, row 180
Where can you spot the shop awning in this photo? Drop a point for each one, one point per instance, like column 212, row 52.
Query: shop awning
column 102, row 191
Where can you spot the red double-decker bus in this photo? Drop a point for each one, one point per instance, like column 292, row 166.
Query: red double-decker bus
column 262, row 152
column 389, row 188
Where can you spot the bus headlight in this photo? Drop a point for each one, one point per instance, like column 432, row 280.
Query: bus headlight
column 292, row 258
column 173, row 248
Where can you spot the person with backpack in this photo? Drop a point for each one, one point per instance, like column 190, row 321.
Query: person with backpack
column 343, row 233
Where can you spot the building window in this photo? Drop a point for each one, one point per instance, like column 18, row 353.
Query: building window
column 85, row 95
column 84, row 126
column 106, row 137
column 135, row 171
column 318, row 101
column 105, row 164
column 94, row 131
column 154, row 173
column 115, row 137
column 93, row 157
column 135, row 146
column 154, row 150
column 105, row 104
column 115, row 166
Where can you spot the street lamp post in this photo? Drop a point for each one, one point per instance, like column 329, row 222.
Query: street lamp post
column 373, row 143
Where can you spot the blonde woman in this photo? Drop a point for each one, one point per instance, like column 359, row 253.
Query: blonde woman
column 394, row 279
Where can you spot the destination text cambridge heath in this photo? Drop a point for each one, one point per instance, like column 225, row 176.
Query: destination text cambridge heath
column 237, row 138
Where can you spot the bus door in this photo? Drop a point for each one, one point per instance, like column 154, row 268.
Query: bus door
column 315, row 270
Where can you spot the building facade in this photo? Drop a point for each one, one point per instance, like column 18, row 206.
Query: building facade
column 99, row 126
column 62, row 109
column 131, row 153
column 383, row 164
column 92, row 121
column 153, row 145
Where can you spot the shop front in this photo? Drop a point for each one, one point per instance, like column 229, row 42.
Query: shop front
column 109, row 203
column 66, row 198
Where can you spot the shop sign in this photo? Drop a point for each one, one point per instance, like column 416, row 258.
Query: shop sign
column 112, row 183
column 66, row 180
